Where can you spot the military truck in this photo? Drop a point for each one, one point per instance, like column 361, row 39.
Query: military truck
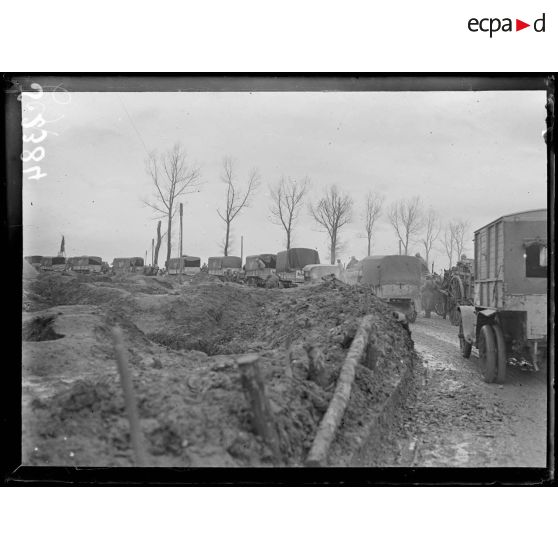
column 397, row 280
column 53, row 263
column 509, row 314
column 225, row 267
column 127, row 265
column 291, row 263
column 85, row 264
column 190, row 265
column 259, row 268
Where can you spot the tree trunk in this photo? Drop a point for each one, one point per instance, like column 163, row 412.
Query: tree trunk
column 169, row 242
column 288, row 240
column 158, row 245
column 369, row 245
column 227, row 239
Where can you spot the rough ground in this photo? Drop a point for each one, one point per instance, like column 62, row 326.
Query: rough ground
column 181, row 342
column 455, row 419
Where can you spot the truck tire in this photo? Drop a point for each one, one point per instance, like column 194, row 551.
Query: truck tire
column 501, row 357
column 464, row 345
column 487, row 353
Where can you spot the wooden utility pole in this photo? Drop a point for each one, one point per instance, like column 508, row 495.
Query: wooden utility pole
column 241, row 250
column 152, row 250
column 181, row 261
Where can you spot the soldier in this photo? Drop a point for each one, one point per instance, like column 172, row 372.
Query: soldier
column 427, row 295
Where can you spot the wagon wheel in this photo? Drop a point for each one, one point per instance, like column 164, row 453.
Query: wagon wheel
column 455, row 297
column 501, row 357
column 464, row 345
column 487, row 353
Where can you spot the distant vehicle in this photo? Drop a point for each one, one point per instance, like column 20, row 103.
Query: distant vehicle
column 314, row 272
column 35, row 261
column 85, row 264
column 457, row 289
column 54, row 263
column 290, row 264
column 127, row 265
column 190, row 265
column 225, row 267
column 259, row 268
column 509, row 315
column 396, row 280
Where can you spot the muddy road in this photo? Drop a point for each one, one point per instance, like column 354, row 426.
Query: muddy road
column 455, row 419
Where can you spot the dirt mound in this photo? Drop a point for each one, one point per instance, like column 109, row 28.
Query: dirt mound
column 181, row 345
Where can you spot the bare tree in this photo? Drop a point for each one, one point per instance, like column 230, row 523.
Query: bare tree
column 236, row 199
column 448, row 243
column 287, row 199
column 431, row 232
column 406, row 218
column 372, row 211
column 459, row 230
column 332, row 212
column 172, row 177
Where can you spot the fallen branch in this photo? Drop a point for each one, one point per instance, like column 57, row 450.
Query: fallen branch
column 332, row 419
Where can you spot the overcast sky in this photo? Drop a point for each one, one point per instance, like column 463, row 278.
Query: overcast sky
column 473, row 156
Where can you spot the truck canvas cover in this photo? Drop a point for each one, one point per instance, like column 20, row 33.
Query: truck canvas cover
column 54, row 260
column 389, row 270
column 188, row 261
column 261, row 261
column 224, row 262
column 296, row 258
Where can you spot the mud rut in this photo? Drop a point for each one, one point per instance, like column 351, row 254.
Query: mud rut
column 456, row 420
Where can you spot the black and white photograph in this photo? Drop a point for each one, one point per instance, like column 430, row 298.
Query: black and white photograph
column 285, row 272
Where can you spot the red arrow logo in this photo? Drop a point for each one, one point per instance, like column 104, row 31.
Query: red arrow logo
column 519, row 25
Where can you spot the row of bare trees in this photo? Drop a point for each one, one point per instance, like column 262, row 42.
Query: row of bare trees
column 173, row 177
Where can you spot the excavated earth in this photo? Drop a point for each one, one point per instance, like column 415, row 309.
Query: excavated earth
column 182, row 341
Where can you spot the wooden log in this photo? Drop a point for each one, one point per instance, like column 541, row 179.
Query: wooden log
column 262, row 416
column 129, row 398
column 330, row 422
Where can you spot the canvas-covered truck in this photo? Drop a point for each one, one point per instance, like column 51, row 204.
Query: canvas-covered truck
column 190, row 265
column 259, row 268
column 397, row 280
column 509, row 315
column 53, row 263
column 127, row 265
column 290, row 265
column 85, row 264
column 225, row 267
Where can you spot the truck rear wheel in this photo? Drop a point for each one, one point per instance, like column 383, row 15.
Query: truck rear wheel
column 487, row 353
column 501, row 357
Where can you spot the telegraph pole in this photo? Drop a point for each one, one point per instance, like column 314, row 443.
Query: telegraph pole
column 181, row 264
column 241, row 249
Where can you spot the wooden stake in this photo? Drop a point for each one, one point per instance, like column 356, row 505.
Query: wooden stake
column 181, row 265
column 254, row 388
column 129, row 398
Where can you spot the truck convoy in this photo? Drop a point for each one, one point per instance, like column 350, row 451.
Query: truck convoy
column 509, row 314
